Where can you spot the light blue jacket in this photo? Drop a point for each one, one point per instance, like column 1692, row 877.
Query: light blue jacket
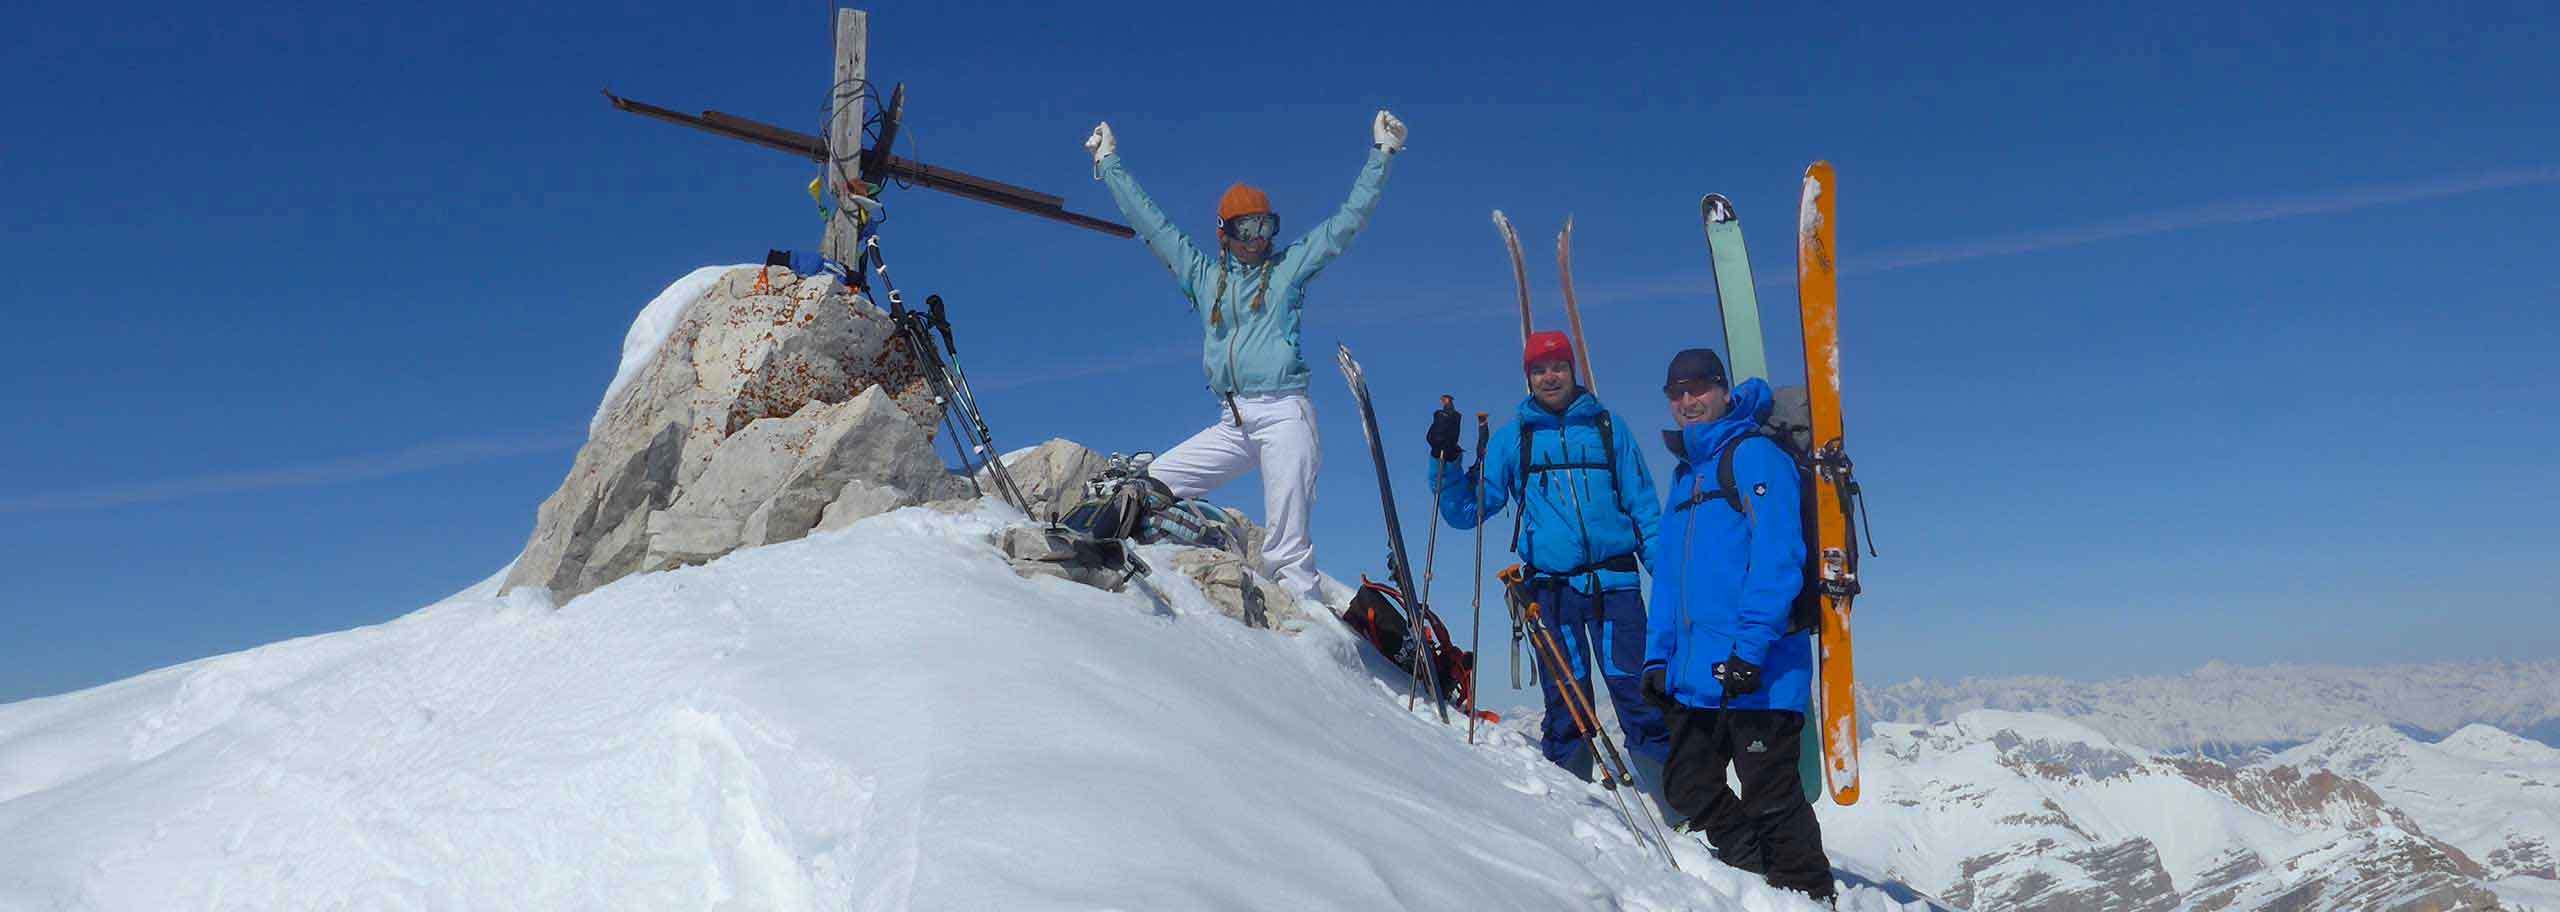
column 1728, row 578
column 1571, row 515
column 1249, row 350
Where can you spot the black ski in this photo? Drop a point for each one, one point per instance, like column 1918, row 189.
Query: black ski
column 1397, row 566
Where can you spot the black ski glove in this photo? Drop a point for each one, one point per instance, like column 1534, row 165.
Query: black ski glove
column 1657, row 688
column 1739, row 677
column 1443, row 435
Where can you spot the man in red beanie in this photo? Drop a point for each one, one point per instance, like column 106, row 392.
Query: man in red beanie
column 1587, row 513
column 1249, row 300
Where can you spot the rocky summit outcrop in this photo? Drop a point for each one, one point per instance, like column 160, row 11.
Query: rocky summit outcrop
column 774, row 406
column 1052, row 475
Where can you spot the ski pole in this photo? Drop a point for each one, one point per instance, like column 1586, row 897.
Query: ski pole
column 1614, row 768
column 1430, row 561
column 1475, row 644
column 1431, row 540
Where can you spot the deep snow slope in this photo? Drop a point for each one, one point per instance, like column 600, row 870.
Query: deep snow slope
column 882, row 717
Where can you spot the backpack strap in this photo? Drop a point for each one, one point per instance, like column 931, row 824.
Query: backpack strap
column 1518, row 508
column 1609, row 457
column 1725, row 489
column 1608, row 463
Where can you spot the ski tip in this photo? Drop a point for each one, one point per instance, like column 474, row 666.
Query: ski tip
column 1501, row 221
column 1716, row 209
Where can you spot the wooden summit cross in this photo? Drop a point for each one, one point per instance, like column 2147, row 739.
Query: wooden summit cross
column 859, row 171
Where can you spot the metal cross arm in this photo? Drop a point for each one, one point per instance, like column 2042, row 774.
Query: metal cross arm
column 814, row 148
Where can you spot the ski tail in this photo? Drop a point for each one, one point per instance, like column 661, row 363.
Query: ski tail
column 1738, row 302
column 1835, row 488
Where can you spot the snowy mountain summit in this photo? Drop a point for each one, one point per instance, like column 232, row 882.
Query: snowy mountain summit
column 880, row 714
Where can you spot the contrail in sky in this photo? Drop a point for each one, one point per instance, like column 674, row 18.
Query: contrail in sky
column 432, row 455
column 2231, row 212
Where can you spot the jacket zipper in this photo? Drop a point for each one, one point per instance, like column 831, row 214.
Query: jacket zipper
column 1235, row 325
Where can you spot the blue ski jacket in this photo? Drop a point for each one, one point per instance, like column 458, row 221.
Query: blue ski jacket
column 1572, row 513
column 1250, row 312
column 1731, row 576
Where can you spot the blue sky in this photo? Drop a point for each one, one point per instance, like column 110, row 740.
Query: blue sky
column 2172, row 334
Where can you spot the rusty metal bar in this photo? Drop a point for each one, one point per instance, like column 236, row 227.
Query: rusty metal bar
column 814, row 148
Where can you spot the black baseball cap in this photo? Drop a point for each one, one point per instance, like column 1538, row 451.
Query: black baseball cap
column 1694, row 365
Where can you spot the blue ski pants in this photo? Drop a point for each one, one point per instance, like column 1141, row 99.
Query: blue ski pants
column 1609, row 625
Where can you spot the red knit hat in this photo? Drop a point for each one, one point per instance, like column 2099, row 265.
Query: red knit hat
column 1545, row 346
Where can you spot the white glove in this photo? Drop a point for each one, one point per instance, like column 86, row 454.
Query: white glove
column 1100, row 142
column 1389, row 132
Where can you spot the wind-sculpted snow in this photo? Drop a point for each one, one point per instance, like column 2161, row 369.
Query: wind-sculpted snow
column 2229, row 712
column 881, row 717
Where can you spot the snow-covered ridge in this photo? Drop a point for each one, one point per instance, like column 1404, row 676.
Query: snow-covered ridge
column 2227, row 711
column 2001, row 810
column 2490, row 793
column 881, row 717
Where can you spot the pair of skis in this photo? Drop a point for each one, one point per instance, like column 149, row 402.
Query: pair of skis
column 1564, row 275
column 1834, row 736
column 1581, row 366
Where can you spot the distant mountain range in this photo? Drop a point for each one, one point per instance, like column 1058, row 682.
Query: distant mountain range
column 2232, row 712
column 1996, row 811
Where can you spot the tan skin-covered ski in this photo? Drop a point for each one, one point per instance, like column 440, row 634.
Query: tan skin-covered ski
column 1818, row 293
column 1519, row 270
column 1572, row 311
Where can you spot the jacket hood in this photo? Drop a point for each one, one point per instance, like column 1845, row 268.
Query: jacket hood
column 1748, row 408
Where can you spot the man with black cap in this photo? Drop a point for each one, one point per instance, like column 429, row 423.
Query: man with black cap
column 1586, row 515
column 1719, row 657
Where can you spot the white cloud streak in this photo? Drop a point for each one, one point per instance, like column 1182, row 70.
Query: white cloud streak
column 2167, row 221
column 423, row 457
column 2232, row 212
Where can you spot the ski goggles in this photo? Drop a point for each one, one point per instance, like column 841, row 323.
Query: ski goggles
column 1259, row 226
column 1684, row 389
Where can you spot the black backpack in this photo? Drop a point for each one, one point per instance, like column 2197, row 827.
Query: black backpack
column 1788, row 428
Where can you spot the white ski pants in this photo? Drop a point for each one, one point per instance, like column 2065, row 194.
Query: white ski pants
column 1278, row 436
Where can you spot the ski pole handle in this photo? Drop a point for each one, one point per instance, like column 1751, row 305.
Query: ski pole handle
column 933, row 306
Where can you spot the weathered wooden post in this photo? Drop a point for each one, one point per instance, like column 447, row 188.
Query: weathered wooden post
column 846, row 110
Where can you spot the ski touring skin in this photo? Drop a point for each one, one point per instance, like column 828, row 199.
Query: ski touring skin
column 1739, row 302
column 1835, row 488
column 1400, row 569
column 1519, row 271
column 1572, row 309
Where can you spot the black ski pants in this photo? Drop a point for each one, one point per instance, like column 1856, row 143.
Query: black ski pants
column 1769, row 830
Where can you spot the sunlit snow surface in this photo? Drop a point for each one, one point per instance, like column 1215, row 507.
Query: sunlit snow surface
column 883, row 717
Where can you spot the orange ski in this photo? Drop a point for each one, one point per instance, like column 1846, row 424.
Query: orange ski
column 1818, row 292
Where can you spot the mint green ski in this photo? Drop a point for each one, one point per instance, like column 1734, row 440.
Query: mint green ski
column 1748, row 357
